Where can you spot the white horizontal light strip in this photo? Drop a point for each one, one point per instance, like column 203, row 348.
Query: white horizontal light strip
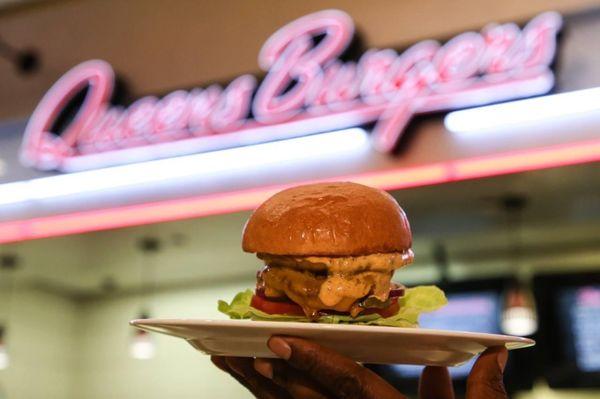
column 532, row 110
column 327, row 145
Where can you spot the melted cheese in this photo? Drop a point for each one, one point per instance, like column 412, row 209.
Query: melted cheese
column 336, row 292
column 387, row 262
column 345, row 280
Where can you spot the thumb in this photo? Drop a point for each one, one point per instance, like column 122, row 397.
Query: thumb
column 486, row 378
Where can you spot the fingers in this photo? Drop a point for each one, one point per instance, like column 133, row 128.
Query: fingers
column 435, row 383
column 243, row 371
column 297, row 384
column 340, row 375
column 485, row 380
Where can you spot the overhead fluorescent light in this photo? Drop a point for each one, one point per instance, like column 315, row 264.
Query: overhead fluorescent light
column 324, row 145
column 246, row 199
column 529, row 111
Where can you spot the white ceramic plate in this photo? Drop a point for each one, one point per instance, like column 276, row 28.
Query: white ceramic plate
column 368, row 344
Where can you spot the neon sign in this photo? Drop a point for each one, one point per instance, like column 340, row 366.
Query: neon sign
column 307, row 89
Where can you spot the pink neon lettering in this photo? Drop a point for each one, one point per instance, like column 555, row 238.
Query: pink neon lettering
column 202, row 103
column 232, row 110
column 304, row 79
column 41, row 148
column 103, row 130
column 411, row 71
column 139, row 122
column 172, row 115
column 335, row 89
column 459, row 60
column 292, row 61
column 500, row 41
column 539, row 37
column 374, row 66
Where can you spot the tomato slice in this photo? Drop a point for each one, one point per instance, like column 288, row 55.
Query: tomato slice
column 272, row 307
column 293, row 309
column 385, row 312
column 260, row 291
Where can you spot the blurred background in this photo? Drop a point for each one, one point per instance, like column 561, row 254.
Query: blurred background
column 504, row 202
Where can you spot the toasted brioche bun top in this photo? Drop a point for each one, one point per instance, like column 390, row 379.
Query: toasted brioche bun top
column 328, row 219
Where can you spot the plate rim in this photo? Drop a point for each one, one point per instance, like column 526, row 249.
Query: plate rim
column 246, row 323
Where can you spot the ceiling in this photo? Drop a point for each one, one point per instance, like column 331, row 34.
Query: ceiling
column 157, row 46
column 560, row 230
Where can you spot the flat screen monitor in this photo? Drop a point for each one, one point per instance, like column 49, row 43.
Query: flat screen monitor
column 569, row 309
column 582, row 307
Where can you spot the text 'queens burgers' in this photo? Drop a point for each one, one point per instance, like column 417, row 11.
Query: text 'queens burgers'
column 330, row 251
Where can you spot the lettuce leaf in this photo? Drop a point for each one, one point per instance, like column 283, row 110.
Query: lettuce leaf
column 415, row 301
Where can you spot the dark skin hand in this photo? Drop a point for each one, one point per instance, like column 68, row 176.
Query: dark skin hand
column 306, row 370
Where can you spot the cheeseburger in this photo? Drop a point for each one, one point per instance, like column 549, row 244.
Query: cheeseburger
column 329, row 252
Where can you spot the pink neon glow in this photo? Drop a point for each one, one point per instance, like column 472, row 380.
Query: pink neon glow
column 307, row 89
column 41, row 148
column 289, row 56
column 463, row 169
